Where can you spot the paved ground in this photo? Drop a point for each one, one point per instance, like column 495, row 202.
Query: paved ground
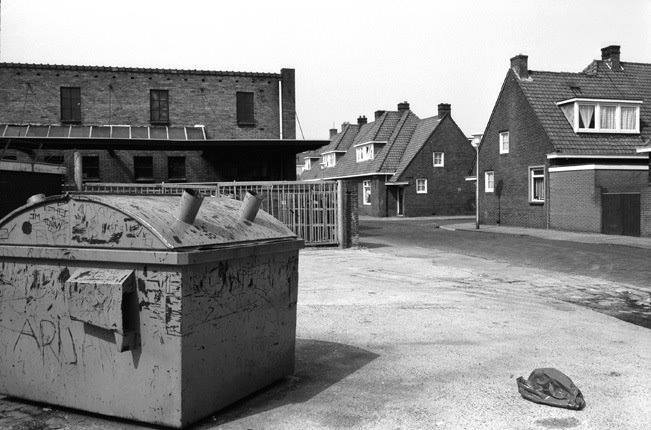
column 432, row 334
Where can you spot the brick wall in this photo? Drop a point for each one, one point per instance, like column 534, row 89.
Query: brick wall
column 528, row 147
column 645, row 206
column 31, row 94
column 378, row 206
column 575, row 203
column 448, row 193
column 575, row 196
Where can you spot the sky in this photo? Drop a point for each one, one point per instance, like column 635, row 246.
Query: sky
column 351, row 57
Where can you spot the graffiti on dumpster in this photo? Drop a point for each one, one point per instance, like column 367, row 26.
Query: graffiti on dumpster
column 48, row 337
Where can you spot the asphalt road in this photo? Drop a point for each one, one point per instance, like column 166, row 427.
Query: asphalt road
column 626, row 266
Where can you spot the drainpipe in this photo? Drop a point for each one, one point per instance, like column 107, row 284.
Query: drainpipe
column 250, row 206
column 189, row 205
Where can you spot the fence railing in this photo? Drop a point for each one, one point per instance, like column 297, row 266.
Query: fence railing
column 309, row 209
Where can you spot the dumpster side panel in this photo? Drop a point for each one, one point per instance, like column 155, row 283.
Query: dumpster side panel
column 239, row 329
column 49, row 356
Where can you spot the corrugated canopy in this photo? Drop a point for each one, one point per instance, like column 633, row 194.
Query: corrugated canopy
column 134, row 222
column 103, row 132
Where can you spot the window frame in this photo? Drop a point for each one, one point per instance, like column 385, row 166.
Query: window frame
column 597, row 104
column 329, row 160
column 422, row 181
column 502, row 135
column 84, row 167
column 155, row 107
column 490, row 189
column 68, row 105
column 442, row 163
column 364, row 152
column 136, row 168
column 185, row 170
column 244, row 117
column 531, row 181
column 366, row 198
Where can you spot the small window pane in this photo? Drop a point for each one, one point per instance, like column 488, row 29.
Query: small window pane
column 159, row 106
column 629, row 118
column 176, row 168
column 143, row 168
column 366, row 192
column 90, row 167
column 608, row 117
column 245, row 111
column 586, row 116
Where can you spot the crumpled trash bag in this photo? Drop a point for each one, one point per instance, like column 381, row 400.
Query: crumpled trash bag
column 551, row 387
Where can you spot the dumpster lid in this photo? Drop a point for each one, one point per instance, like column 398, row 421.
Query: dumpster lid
column 134, row 222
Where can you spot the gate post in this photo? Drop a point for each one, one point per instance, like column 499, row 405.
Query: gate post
column 77, row 173
column 341, row 215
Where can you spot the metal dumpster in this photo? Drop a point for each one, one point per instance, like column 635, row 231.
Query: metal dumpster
column 110, row 304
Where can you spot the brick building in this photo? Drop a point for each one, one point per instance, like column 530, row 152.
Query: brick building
column 400, row 164
column 559, row 150
column 151, row 125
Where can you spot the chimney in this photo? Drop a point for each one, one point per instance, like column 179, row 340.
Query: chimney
column 403, row 106
column 333, row 131
column 444, row 109
column 520, row 66
column 379, row 113
column 361, row 120
column 611, row 54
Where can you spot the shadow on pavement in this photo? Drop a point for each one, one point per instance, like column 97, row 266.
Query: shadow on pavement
column 319, row 365
column 372, row 245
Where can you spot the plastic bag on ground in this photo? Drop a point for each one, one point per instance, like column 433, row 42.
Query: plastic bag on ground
column 551, row 387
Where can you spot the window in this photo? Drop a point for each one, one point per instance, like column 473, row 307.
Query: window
column 308, row 164
column 439, row 159
column 421, row 186
column 366, row 192
column 143, row 168
column 537, row 184
column 159, row 107
column 364, row 152
column 176, row 168
column 70, row 105
column 245, row 109
column 330, row 160
column 602, row 116
column 489, row 182
column 90, row 167
column 504, row 142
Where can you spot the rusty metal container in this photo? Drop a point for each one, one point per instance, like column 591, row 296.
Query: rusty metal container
column 112, row 305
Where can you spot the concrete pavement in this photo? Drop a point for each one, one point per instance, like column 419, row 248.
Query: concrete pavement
column 606, row 239
column 387, row 341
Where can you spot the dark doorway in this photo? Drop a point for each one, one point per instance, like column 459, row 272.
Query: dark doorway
column 620, row 214
column 400, row 193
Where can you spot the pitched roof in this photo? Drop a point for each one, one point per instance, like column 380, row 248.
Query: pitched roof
column 423, row 131
column 544, row 89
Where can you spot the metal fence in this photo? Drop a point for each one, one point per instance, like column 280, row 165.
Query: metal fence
column 309, row 209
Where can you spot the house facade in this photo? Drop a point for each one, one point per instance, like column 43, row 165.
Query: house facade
column 559, row 150
column 400, row 164
column 151, row 125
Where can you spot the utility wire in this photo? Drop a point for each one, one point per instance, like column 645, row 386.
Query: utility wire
column 299, row 126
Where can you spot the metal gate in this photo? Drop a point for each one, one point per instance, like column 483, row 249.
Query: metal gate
column 309, row 209
column 620, row 213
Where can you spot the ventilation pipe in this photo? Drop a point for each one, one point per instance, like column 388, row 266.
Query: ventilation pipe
column 250, row 206
column 189, row 206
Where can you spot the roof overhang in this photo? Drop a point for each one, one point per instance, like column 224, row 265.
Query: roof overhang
column 643, row 149
column 583, row 99
column 470, row 178
column 293, row 145
column 592, row 156
column 336, row 151
column 597, row 167
column 396, row 183
column 371, row 142
column 359, row 175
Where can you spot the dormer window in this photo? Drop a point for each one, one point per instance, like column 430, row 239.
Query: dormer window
column 602, row 116
column 364, row 152
column 330, row 158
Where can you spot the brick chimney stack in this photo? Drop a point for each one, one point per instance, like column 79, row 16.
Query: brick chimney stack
column 611, row 54
column 333, row 131
column 444, row 109
column 520, row 66
column 379, row 113
column 403, row 106
column 361, row 120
